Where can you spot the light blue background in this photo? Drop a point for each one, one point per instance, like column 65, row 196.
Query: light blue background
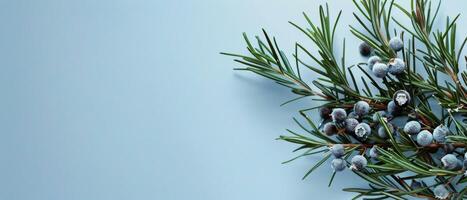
column 129, row 99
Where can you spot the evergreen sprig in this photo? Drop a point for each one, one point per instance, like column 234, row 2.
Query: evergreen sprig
column 430, row 56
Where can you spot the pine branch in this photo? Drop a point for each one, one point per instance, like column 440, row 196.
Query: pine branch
column 441, row 55
column 269, row 61
column 337, row 88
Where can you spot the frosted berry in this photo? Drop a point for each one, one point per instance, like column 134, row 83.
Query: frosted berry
column 412, row 127
column 362, row 130
column 441, row 192
column 382, row 131
column 353, row 115
column 396, row 44
column 338, row 115
column 393, row 109
column 350, row 124
column 396, row 66
column 338, row 164
column 374, row 152
column 401, row 98
column 372, row 61
column 325, row 112
column 329, row 129
column 365, row 49
column 450, row 161
column 338, row 150
column 380, row 70
column 440, row 133
column 359, row 162
column 424, row 138
column 375, row 116
column 361, row 108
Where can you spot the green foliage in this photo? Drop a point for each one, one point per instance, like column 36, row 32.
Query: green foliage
column 428, row 56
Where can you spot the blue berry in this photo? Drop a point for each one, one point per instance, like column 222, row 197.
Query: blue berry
column 338, row 150
column 440, row 133
column 359, row 162
column 401, row 98
column 353, row 115
column 450, row 161
column 441, row 192
column 396, row 66
column 424, row 138
column 338, row 164
column 324, row 112
column 392, row 108
column 329, row 129
column 380, row 70
column 396, row 44
column 412, row 127
column 365, row 49
column 374, row 152
column 350, row 124
column 338, row 115
column 372, row 61
column 381, row 114
column 382, row 131
column 361, row 108
column 465, row 164
column 362, row 130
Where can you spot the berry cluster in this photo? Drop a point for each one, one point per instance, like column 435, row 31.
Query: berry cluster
column 450, row 162
column 380, row 69
column 364, row 124
column 358, row 162
column 354, row 123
